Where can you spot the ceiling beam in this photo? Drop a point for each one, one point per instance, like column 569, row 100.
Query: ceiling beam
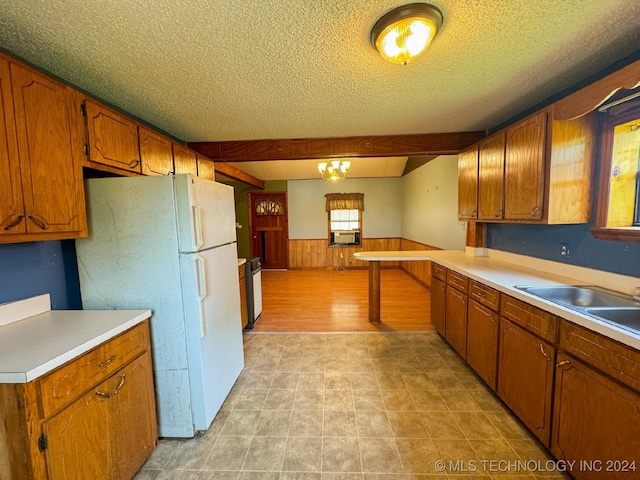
column 316, row 148
column 233, row 173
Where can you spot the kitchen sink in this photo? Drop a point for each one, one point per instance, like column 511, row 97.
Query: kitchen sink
column 612, row 307
column 581, row 297
column 624, row 317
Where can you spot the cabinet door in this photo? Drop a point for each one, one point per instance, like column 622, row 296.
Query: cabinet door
column 113, row 138
column 456, row 320
column 524, row 169
column 206, row 168
column 525, row 377
column 184, row 160
column 594, row 420
column 438, row 302
column 12, row 218
column 50, row 143
column 468, row 184
column 491, row 177
column 133, row 416
column 156, row 153
column 482, row 342
column 79, row 442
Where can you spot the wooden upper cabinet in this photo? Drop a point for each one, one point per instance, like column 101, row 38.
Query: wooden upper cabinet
column 50, row 144
column 491, row 177
column 12, row 217
column 206, row 168
column 468, row 184
column 156, row 153
column 113, row 138
column 524, row 172
column 184, row 160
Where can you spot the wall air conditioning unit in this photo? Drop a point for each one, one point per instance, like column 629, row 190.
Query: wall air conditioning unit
column 345, row 238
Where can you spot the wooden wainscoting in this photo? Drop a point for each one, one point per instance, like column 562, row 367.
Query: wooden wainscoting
column 419, row 270
column 316, row 253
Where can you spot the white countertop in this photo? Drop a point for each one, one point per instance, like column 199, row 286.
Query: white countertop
column 505, row 277
column 36, row 345
column 242, row 261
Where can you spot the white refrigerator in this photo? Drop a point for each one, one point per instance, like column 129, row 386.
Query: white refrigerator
column 169, row 244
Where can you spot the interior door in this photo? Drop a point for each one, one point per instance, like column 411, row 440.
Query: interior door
column 269, row 228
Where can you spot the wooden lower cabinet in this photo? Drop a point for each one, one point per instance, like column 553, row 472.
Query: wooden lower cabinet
column 526, row 366
column 595, row 421
column 438, row 301
column 482, row 342
column 106, row 432
column 456, row 320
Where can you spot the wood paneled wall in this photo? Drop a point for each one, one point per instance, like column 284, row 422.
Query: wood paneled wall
column 316, row 253
column 420, row 270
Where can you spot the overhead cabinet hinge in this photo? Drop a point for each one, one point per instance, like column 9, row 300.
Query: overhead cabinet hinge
column 43, row 443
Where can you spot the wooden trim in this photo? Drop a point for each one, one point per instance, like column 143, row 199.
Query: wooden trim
column 592, row 96
column 315, row 148
column 234, row 174
column 476, row 234
column 616, row 234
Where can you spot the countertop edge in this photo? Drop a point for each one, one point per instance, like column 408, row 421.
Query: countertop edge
column 25, row 377
column 535, row 278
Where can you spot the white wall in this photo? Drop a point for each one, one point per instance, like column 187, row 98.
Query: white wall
column 382, row 206
column 430, row 205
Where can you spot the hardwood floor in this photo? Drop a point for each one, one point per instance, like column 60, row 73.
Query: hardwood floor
column 337, row 301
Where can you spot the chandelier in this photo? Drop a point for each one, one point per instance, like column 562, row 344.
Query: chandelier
column 336, row 170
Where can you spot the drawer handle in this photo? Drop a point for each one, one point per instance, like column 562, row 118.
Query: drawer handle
column 115, row 392
column 563, row 363
column 544, row 353
column 535, row 211
column 134, row 163
column 107, row 361
column 38, row 221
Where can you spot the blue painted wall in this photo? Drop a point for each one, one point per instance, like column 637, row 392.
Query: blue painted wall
column 34, row 268
column 543, row 241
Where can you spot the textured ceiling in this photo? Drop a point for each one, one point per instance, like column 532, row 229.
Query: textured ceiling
column 220, row 70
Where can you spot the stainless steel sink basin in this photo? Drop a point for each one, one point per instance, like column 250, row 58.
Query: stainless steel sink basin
column 581, row 297
column 612, row 307
column 625, row 317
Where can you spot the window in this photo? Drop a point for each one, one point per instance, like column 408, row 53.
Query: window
column 345, row 217
column 619, row 194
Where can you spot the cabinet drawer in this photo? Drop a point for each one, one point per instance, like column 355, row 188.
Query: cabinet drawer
column 609, row 356
column 439, row 271
column 457, row 281
column 537, row 321
column 487, row 296
column 76, row 377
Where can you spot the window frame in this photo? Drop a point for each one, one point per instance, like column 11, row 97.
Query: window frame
column 329, row 229
column 608, row 122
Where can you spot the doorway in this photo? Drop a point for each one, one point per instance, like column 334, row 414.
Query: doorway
column 269, row 228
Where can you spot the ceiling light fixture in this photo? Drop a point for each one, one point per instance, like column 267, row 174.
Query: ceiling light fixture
column 405, row 32
column 336, row 170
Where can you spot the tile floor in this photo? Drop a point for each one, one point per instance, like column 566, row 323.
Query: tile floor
column 359, row 406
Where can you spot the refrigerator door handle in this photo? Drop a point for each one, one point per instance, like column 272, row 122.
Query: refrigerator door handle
column 201, row 283
column 196, row 226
